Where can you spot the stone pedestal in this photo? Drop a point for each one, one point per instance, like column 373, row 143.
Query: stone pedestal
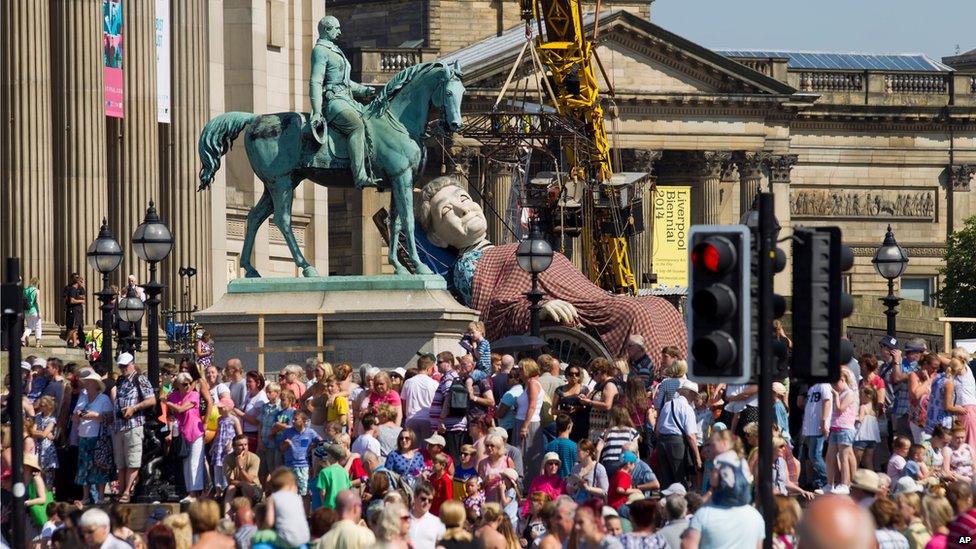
column 382, row 320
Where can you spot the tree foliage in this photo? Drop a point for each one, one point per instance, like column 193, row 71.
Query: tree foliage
column 958, row 294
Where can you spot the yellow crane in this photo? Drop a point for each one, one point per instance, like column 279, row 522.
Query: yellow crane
column 568, row 54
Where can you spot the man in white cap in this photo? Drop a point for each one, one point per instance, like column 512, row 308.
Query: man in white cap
column 132, row 397
column 677, row 430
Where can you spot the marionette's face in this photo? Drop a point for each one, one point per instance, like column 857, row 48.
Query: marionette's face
column 455, row 219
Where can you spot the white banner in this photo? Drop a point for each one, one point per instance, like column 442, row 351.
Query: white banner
column 162, row 62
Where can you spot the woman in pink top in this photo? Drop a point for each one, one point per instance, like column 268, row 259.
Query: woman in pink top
column 841, row 460
column 184, row 406
column 383, row 393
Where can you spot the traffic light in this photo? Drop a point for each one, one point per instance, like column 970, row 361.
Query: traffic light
column 820, row 304
column 719, row 315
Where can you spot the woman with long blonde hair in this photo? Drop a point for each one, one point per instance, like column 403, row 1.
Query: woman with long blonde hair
column 496, row 530
column 454, row 518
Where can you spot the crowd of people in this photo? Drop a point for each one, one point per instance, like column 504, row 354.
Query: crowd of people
column 486, row 450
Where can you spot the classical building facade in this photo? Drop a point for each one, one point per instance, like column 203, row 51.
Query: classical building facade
column 857, row 147
column 858, row 141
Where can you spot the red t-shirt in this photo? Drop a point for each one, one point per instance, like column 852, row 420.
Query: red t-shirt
column 620, row 479
column 356, row 470
column 443, row 491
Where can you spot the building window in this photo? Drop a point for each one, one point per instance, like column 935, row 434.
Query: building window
column 917, row 289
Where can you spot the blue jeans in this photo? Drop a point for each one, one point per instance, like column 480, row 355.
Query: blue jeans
column 814, row 453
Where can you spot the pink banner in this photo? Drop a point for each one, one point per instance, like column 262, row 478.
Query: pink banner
column 112, row 23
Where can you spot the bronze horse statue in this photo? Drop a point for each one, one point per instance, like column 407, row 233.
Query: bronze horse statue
column 282, row 153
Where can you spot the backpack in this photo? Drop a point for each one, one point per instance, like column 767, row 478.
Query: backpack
column 457, row 399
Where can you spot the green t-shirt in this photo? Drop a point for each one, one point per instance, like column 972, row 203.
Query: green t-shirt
column 30, row 300
column 332, row 480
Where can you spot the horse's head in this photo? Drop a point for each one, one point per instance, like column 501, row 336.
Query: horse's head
column 448, row 97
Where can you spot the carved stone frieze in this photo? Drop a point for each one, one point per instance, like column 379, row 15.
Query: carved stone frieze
column 917, row 204
column 960, row 176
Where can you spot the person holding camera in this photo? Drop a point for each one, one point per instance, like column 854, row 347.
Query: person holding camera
column 133, row 399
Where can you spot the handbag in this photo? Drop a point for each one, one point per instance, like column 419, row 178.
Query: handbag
column 689, row 459
column 180, row 447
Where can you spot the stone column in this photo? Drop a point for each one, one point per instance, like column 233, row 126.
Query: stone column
column 79, row 168
column 133, row 147
column 708, row 199
column 750, row 166
column 186, row 211
column 496, row 191
column 25, row 149
column 780, row 167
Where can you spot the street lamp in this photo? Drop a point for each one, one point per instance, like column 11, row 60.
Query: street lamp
column 105, row 255
column 890, row 261
column 152, row 241
column 534, row 256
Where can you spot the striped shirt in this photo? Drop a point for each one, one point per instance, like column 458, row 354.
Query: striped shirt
column 961, row 529
column 484, row 358
column 440, row 396
column 614, row 441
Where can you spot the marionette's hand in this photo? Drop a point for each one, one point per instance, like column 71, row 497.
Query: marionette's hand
column 560, row 311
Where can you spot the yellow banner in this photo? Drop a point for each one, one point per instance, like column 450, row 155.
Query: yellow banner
column 672, row 220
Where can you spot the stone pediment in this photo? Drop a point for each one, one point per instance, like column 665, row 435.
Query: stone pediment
column 640, row 57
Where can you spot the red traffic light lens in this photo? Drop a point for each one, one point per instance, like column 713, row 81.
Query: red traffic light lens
column 716, row 255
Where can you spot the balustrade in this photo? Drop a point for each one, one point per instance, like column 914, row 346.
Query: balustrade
column 396, row 61
column 831, row 81
column 916, row 83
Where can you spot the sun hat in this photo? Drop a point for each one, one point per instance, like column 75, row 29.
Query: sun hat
column 30, row 460
column 510, row 474
column 719, row 426
column 908, row 485
column 402, row 372
column 551, row 456
column 24, row 365
column 435, row 439
column 608, row 511
column 39, row 362
column 866, row 480
column 636, row 339
column 779, row 388
column 675, row 489
column 125, row 359
column 914, row 348
column 225, row 402
column 92, row 376
column 689, row 385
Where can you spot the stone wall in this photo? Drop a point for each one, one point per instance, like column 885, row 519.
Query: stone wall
column 868, row 323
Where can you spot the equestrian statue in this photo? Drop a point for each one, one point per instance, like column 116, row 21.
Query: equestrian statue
column 341, row 143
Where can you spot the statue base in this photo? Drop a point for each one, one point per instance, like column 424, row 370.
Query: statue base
column 383, row 320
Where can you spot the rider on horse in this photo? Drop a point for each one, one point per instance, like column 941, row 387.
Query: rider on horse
column 330, row 82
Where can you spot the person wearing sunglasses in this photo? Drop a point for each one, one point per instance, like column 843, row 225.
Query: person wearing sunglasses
column 566, row 400
column 406, row 460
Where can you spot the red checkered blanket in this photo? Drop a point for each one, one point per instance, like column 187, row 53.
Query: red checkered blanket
column 499, row 285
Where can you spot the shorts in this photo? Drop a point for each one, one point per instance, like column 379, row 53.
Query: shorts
column 301, row 477
column 842, row 437
column 865, row 444
column 127, row 448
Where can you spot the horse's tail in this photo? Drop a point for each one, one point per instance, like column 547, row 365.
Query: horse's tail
column 216, row 139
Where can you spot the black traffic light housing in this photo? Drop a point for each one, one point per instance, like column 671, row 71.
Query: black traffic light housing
column 720, row 304
column 820, row 304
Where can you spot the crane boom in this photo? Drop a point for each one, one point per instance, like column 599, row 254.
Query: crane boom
column 567, row 53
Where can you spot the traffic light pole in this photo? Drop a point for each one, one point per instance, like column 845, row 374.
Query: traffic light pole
column 13, row 295
column 767, row 249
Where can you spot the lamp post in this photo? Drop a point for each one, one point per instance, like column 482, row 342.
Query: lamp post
column 890, row 261
column 152, row 241
column 105, row 255
column 534, row 255
column 131, row 309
